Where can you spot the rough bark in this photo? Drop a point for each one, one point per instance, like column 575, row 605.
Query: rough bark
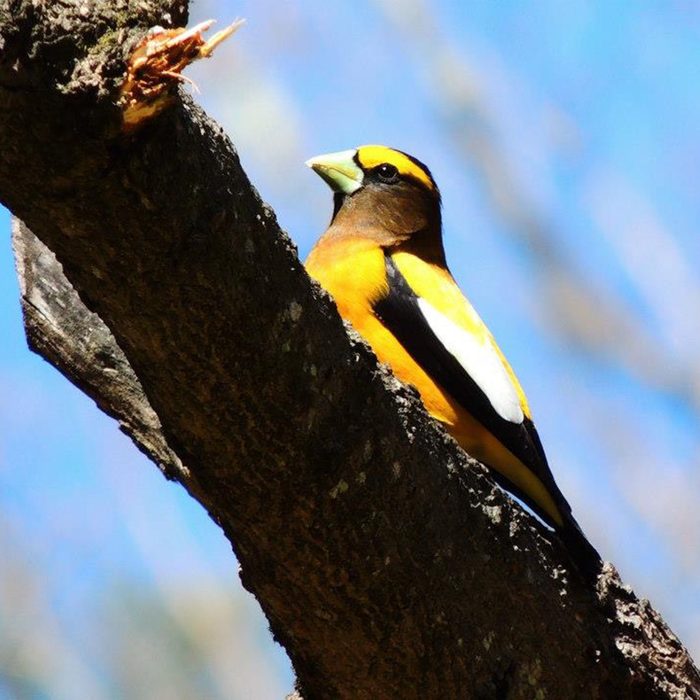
column 388, row 564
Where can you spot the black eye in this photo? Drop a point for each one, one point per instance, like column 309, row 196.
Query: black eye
column 386, row 172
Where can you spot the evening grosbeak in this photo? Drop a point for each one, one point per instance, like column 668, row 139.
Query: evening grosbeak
column 382, row 260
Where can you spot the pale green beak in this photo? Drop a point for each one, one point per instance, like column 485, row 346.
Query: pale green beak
column 339, row 170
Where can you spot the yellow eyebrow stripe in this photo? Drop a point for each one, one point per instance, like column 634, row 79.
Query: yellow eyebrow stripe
column 372, row 156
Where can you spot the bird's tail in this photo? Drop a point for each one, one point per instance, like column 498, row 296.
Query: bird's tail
column 583, row 554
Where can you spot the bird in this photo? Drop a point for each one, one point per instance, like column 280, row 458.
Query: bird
column 382, row 259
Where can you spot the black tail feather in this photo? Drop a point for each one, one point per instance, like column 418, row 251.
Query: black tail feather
column 583, row 554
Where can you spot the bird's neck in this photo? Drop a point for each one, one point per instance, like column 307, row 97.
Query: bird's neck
column 425, row 244
column 419, row 235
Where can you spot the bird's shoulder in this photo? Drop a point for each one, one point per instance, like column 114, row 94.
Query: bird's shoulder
column 435, row 285
column 437, row 288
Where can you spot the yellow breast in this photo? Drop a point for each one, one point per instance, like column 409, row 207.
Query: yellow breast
column 354, row 272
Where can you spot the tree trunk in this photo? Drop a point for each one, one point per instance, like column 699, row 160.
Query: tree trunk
column 387, row 562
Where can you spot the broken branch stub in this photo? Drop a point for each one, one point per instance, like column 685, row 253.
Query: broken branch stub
column 156, row 64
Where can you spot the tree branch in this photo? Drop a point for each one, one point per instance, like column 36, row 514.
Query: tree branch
column 387, row 563
column 77, row 342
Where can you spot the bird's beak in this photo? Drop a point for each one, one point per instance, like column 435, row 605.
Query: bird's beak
column 339, row 170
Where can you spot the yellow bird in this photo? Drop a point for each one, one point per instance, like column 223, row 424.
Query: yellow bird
column 383, row 261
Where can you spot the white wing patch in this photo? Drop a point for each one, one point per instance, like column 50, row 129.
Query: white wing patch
column 479, row 360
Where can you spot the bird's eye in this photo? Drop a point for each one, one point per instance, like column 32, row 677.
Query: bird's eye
column 387, row 172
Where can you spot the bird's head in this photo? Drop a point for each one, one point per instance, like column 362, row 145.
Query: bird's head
column 383, row 193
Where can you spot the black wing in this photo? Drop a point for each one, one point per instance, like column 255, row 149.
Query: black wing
column 400, row 312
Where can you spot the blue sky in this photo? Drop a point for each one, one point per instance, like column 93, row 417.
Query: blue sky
column 582, row 115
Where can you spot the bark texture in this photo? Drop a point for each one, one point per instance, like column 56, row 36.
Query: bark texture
column 387, row 562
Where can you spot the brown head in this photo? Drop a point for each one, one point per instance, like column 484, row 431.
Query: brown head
column 386, row 195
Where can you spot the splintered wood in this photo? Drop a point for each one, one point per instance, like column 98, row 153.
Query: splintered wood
column 156, row 65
